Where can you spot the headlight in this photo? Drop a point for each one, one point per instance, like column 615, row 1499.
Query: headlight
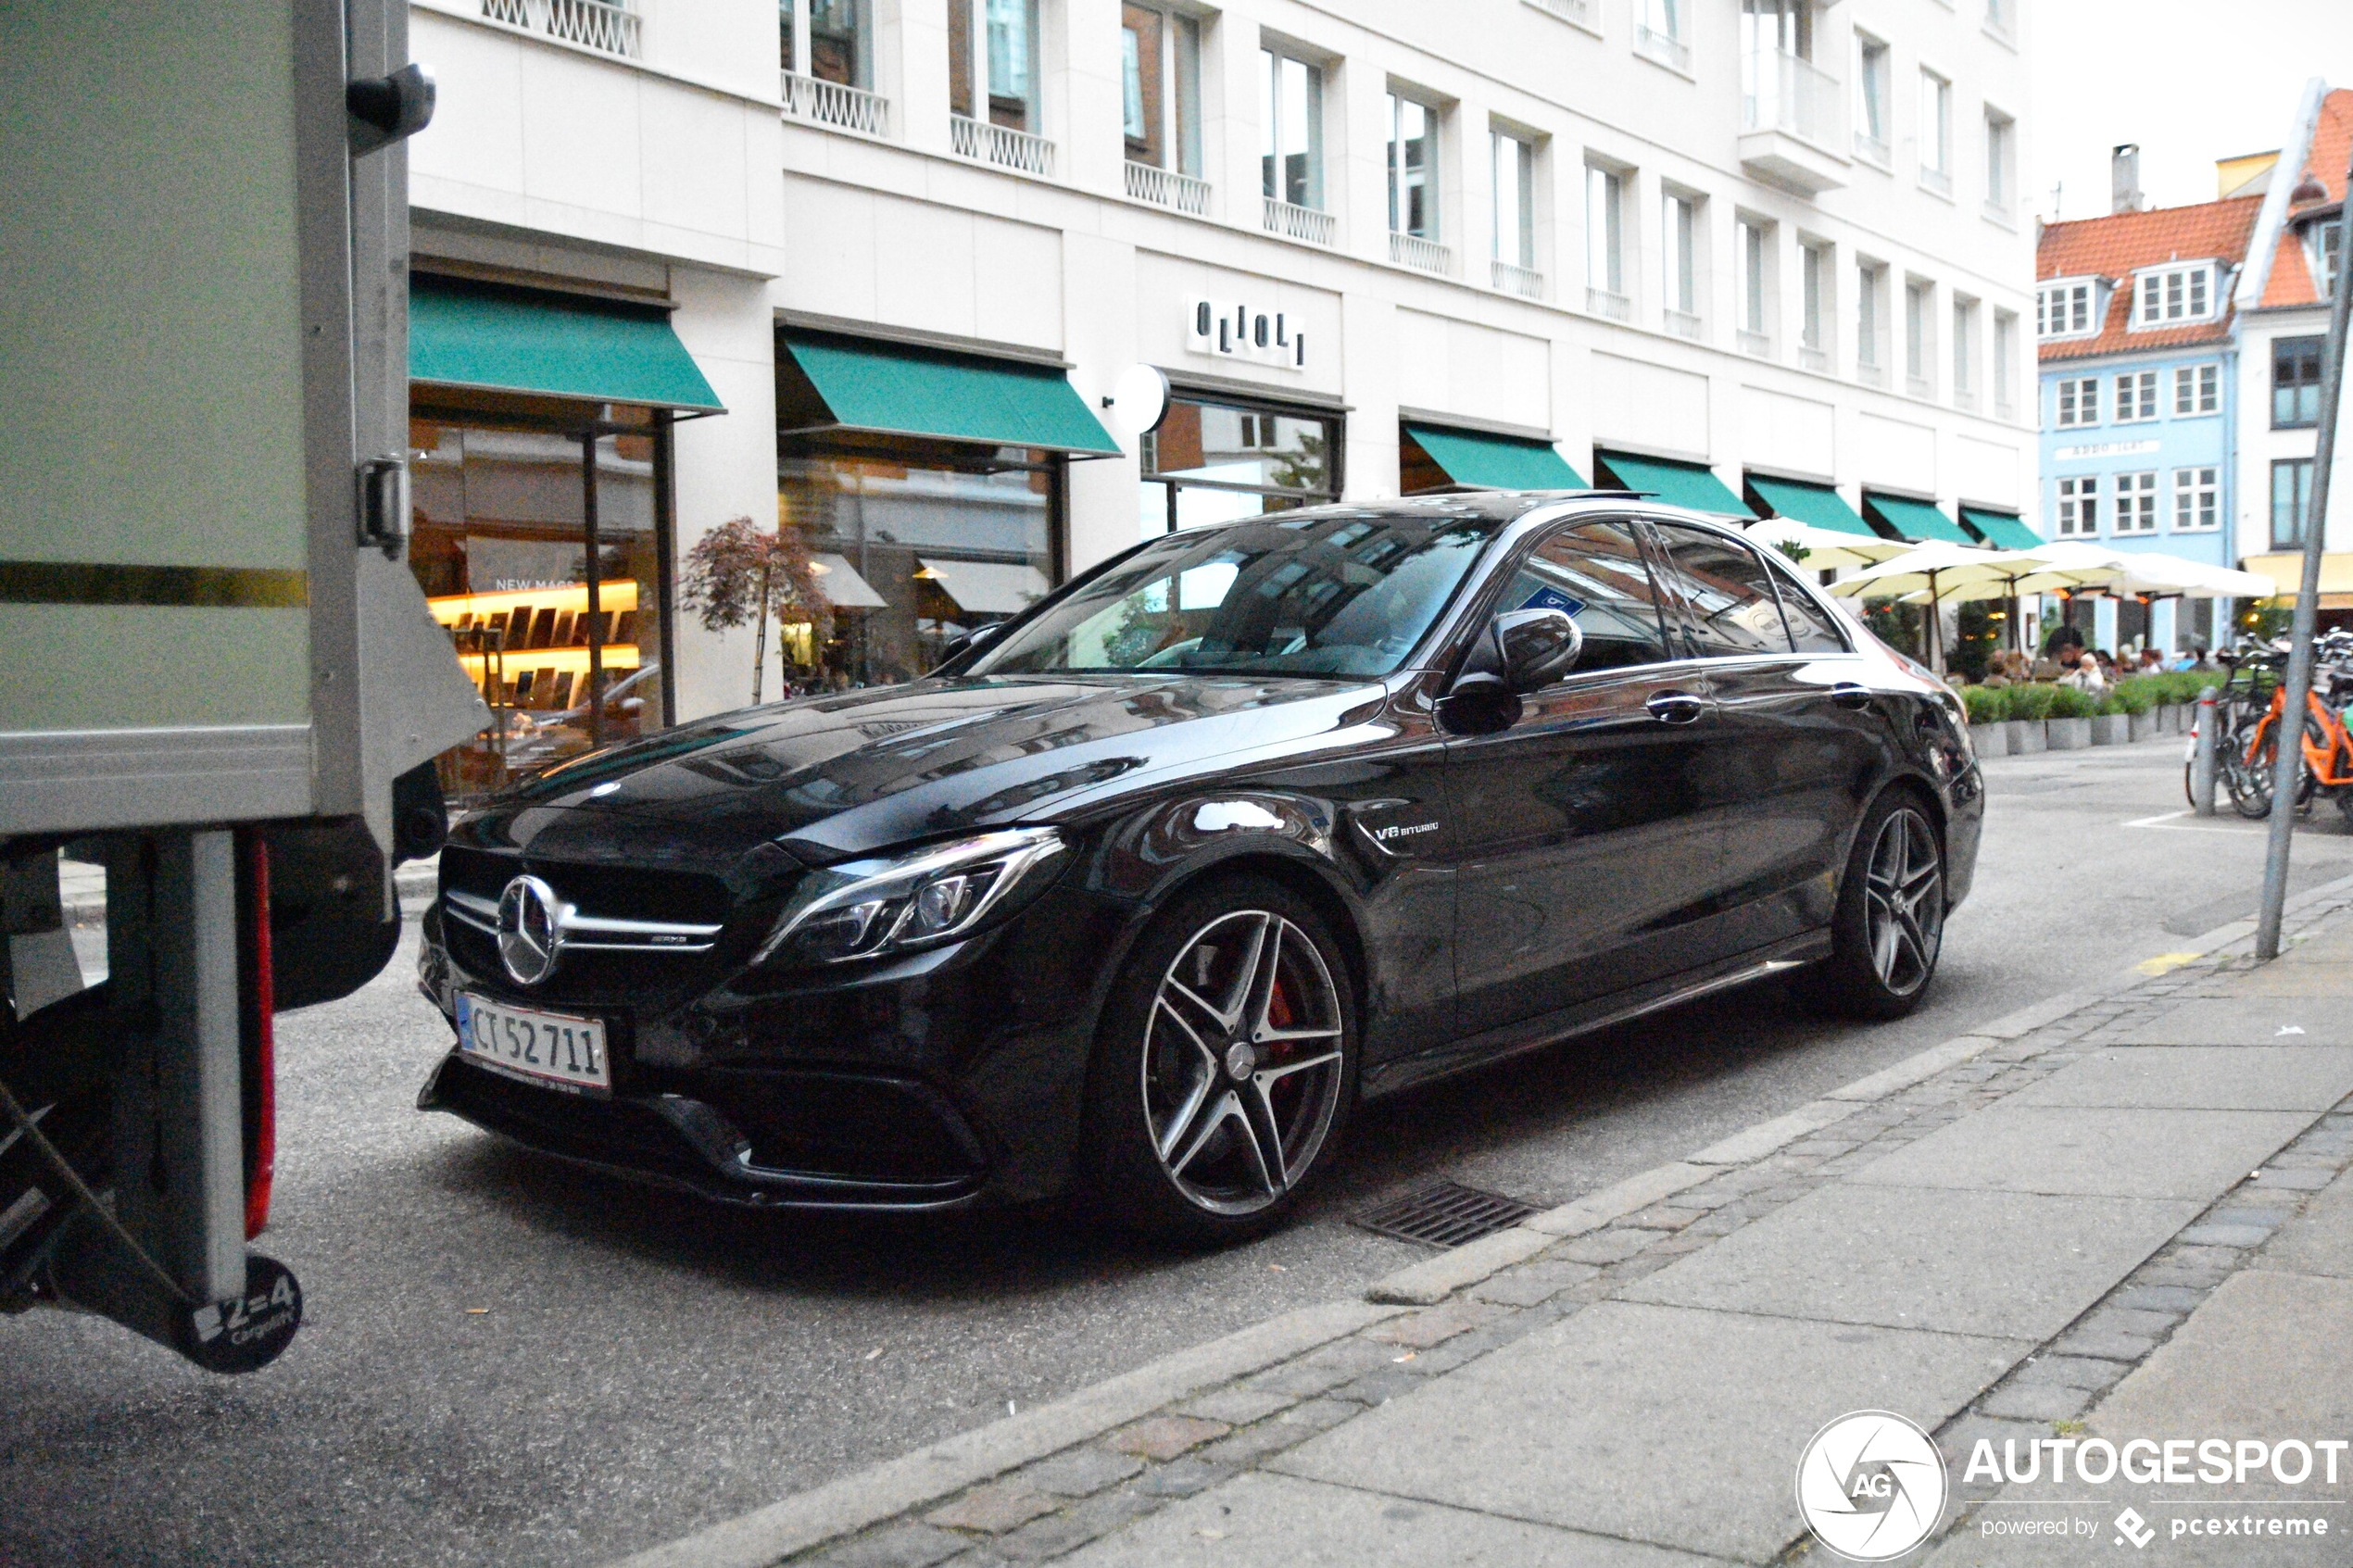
column 863, row 909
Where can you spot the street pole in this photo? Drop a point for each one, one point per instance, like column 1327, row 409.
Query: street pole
column 2288, row 739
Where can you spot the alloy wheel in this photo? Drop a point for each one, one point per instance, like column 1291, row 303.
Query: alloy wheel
column 1904, row 901
column 1243, row 1061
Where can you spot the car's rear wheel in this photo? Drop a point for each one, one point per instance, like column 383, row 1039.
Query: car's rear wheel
column 1890, row 925
column 1225, row 1067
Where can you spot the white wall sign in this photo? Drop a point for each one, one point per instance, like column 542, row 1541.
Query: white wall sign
column 1237, row 330
column 2105, row 449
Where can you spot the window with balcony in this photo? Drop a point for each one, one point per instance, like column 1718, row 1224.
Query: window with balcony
column 1919, row 338
column 2291, row 494
column 1680, row 264
column 1411, row 158
column 1965, row 353
column 2296, row 383
column 2079, row 507
column 2136, row 503
column 1814, row 348
column 2168, row 297
column 1870, row 310
column 1606, row 243
column 1873, row 117
column 1754, row 252
column 828, row 65
column 2005, row 364
column 993, row 81
column 2197, row 389
column 2065, row 309
column 1781, row 88
column 1659, row 32
column 2079, row 401
column 2001, row 162
column 1160, row 106
column 1513, row 164
column 612, row 27
column 1290, row 111
column 1936, row 134
column 2196, row 499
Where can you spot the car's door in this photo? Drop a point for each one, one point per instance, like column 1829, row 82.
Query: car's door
column 1579, row 840
column 1791, row 746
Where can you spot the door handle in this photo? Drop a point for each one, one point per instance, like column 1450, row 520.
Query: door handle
column 1676, row 707
column 1849, row 695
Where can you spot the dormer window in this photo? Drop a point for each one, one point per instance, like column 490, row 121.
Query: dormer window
column 2067, row 308
column 2170, row 296
column 2321, row 240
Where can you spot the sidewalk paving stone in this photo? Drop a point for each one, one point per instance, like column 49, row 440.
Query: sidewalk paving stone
column 1165, row 1436
column 1996, row 1263
column 2244, row 1020
column 2267, row 1077
column 2141, row 1153
column 1652, row 1423
column 2319, row 1241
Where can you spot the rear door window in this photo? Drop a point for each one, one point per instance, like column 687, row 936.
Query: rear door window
column 1597, row 573
column 1810, row 626
column 1731, row 609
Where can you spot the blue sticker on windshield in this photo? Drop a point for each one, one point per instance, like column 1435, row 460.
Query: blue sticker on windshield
column 1553, row 599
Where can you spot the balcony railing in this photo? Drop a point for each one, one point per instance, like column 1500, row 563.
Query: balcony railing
column 1664, row 47
column 1682, row 323
column 1871, row 149
column 1999, row 212
column 1920, row 386
column 1965, row 399
column 1936, row 180
column 1412, row 250
column 1870, row 374
column 609, row 26
column 1000, row 145
column 1813, row 358
column 1525, row 281
column 1783, row 91
column 1757, row 346
column 1603, row 302
column 835, row 104
column 1294, row 222
column 1577, row 11
column 1165, row 187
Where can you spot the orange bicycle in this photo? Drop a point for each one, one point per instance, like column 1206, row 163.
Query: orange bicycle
column 2328, row 746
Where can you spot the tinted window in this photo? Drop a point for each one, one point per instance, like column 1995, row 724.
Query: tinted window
column 1728, row 591
column 1596, row 572
column 1810, row 627
column 1312, row 594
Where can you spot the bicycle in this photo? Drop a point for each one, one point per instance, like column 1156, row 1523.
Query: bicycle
column 2248, row 762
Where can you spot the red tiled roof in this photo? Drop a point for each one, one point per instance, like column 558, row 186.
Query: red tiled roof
column 2114, row 245
column 2291, row 281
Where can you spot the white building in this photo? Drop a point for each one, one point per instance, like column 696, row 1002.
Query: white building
column 1677, row 244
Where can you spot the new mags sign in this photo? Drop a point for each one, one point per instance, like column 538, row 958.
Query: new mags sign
column 1232, row 330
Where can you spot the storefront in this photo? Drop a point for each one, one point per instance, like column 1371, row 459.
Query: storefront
column 1219, row 454
column 540, row 455
column 930, row 486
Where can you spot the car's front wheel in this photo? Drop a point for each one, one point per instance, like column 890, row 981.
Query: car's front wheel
column 1889, row 927
column 1225, row 1066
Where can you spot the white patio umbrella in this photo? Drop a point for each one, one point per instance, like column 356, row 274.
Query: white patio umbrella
column 1932, row 574
column 2065, row 564
column 1827, row 549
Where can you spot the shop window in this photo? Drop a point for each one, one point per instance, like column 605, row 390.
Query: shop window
column 1213, row 462
column 504, row 505
column 1160, row 88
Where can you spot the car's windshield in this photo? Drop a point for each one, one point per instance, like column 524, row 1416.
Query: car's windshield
column 1322, row 594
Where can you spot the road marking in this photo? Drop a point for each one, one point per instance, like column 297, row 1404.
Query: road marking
column 2165, row 820
column 2165, row 962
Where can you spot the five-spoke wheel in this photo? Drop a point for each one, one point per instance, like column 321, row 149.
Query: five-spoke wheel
column 1890, row 923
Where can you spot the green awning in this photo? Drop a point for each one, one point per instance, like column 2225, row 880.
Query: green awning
column 494, row 338
column 2001, row 530
column 1817, row 506
column 1916, row 521
column 1497, row 462
column 896, row 389
column 1678, row 485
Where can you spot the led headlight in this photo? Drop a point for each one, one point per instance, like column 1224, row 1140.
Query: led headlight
column 863, row 909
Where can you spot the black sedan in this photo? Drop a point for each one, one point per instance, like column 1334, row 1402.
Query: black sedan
column 1138, row 898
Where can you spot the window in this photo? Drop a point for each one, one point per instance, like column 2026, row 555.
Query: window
column 1871, row 116
column 1213, row 462
column 2064, row 310
column 2176, row 293
column 2291, row 492
column 1936, row 133
column 1965, row 352
column 836, row 42
column 2136, row 503
column 1290, row 105
column 1810, row 627
column 1728, row 591
column 2322, row 241
column 2005, row 362
column 2135, row 396
column 2079, row 507
column 1160, row 92
column 1659, row 32
column 1755, row 282
column 1515, row 173
column 1596, row 572
column 2001, row 158
column 1870, row 281
column 1814, row 267
column 2079, row 401
column 2197, row 389
column 1920, row 337
column 1997, row 17
column 1606, row 241
column 1413, row 159
column 1678, row 255
column 1002, row 54
column 2195, row 503
column 2296, row 383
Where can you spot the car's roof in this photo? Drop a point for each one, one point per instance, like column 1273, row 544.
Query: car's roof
column 1496, row 508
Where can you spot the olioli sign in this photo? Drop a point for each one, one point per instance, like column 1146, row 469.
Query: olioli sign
column 1236, row 329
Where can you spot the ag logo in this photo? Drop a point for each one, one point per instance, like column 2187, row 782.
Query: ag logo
column 1871, row 1486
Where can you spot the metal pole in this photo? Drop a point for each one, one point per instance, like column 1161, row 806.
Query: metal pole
column 2288, row 741
column 2202, row 758
column 595, row 602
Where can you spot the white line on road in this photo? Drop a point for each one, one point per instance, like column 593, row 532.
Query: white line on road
column 2165, row 820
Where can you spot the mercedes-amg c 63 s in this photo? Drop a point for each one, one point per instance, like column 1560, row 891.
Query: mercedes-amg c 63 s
column 1139, row 896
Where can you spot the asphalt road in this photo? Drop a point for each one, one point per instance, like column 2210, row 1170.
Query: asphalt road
column 509, row 1361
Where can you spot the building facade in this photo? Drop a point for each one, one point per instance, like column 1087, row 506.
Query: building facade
column 887, row 292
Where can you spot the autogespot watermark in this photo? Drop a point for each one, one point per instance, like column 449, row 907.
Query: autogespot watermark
column 1872, row 1485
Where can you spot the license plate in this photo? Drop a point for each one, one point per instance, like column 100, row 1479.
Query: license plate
column 553, row 1047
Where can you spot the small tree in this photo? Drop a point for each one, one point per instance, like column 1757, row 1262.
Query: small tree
column 738, row 572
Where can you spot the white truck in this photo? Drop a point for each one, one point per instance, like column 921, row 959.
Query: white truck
column 218, row 677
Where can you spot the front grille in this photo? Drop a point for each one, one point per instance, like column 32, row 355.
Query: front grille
column 617, row 892
column 1444, row 1214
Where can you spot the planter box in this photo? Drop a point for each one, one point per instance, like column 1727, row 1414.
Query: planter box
column 1991, row 740
column 2111, row 729
column 2171, row 719
column 2026, row 737
column 2066, row 735
column 2147, row 726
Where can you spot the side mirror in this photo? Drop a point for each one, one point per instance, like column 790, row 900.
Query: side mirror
column 1539, row 646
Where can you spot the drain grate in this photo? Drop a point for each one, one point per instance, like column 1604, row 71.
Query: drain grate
column 1444, row 1214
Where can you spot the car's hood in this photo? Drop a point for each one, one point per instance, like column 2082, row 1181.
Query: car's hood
column 832, row 776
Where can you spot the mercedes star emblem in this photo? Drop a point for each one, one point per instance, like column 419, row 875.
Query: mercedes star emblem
column 531, row 933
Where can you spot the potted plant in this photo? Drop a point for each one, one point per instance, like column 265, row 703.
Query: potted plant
column 740, row 573
column 2136, row 701
column 2111, row 723
column 2029, row 705
column 2067, row 722
column 1988, row 708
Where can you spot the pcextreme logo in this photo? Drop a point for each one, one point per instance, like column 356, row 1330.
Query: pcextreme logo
column 1871, row 1486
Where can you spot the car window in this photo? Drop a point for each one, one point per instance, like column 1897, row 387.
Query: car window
column 1728, row 591
column 1596, row 572
column 1810, row 626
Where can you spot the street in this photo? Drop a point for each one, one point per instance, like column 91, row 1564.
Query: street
column 508, row 1361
